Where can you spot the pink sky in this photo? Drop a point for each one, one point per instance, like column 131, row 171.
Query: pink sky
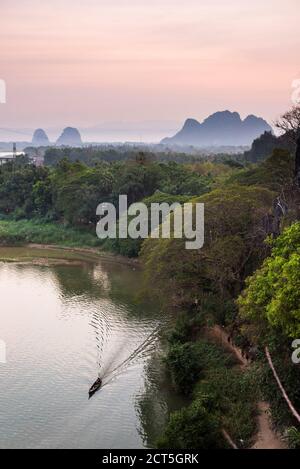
column 82, row 63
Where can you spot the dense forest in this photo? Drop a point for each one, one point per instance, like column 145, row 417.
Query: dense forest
column 244, row 283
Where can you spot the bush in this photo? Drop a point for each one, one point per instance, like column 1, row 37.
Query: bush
column 235, row 394
column 193, row 427
column 272, row 294
column 188, row 361
column 293, row 438
column 183, row 330
column 183, row 364
column 131, row 247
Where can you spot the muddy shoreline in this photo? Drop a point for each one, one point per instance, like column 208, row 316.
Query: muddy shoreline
column 48, row 254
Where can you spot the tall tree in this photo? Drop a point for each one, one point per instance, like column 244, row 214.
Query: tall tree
column 289, row 124
column 297, row 163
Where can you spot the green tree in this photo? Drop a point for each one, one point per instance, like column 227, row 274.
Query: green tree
column 131, row 247
column 274, row 173
column 78, row 190
column 16, row 182
column 272, row 294
column 234, row 235
column 42, row 196
column 193, row 427
column 183, row 364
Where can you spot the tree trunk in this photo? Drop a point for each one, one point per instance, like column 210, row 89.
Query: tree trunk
column 286, row 397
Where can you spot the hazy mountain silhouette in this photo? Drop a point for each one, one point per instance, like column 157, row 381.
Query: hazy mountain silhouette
column 221, row 128
column 40, row 138
column 70, row 137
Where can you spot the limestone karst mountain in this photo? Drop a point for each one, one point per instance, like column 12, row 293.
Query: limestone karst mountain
column 40, row 138
column 70, row 137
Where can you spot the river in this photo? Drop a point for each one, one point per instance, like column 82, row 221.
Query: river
column 64, row 324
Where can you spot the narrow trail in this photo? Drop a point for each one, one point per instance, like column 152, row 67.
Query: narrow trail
column 219, row 334
column 266, row 437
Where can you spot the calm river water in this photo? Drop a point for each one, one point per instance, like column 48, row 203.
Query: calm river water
column 63, row 325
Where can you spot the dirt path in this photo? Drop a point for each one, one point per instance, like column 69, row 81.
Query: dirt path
column 222, row 336
column 266, row 437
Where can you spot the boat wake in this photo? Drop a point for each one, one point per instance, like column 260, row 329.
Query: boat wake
column 107, row 375
column 143, row 349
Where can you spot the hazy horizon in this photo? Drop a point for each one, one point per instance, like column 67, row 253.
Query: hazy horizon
column 143, row 131
column 98, row 63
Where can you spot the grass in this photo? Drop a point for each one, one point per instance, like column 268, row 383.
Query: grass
column 17, row 233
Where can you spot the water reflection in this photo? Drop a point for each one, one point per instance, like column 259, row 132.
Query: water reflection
column 157, row 400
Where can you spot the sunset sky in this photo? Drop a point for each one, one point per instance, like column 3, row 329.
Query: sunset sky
column 154, row 63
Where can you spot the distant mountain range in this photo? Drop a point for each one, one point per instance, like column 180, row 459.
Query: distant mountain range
column 219, row 129
column 102, row 132
column 70, row 137
column 40, row 138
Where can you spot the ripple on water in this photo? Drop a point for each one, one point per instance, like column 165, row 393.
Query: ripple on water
column 58, row 342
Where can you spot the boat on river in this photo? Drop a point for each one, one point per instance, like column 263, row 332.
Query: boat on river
column 95, row 387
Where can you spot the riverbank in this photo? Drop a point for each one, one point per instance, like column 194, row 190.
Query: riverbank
column 226, row 406
column 46, row 254
column 20, row 232
column 92, row 253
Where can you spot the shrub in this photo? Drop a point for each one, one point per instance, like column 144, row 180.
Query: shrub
column 193, row 427
column 183, row 364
